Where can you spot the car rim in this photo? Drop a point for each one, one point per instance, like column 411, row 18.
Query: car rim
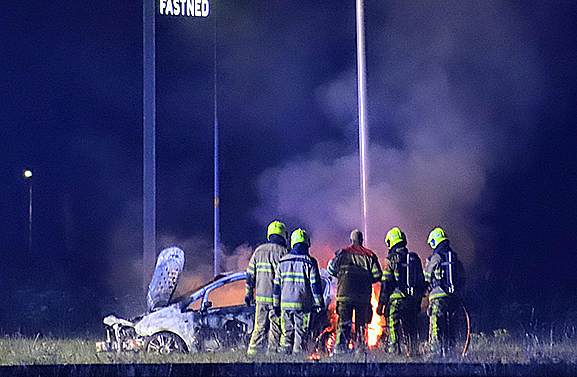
column 164, row 343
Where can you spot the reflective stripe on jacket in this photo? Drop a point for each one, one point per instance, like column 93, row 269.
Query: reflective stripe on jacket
column 433, row 275
column 297, row 283
column 261, row 271
column 434, row 271
column 356, row 269
column 391, row 286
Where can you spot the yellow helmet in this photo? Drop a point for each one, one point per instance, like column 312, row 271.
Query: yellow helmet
column 394, row 236
column 436, row 236
column 276, row 227
column 300, row 235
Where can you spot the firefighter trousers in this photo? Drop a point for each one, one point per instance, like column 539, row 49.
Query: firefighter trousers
column 295, row 331
column 363, row 315
column 401, row 318
column 266, row 325
column 442, row 327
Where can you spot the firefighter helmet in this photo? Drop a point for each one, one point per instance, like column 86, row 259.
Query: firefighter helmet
column 394, row 236
column 300, row 235
column 276, row 227
column 436, row 236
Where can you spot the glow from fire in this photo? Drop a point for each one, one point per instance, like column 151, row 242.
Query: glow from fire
column 375, row 328
column 327, row 339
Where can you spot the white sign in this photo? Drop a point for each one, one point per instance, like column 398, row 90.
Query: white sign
column 186, row 8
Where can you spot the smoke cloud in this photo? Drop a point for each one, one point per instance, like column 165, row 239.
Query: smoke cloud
column 124, row 274
column 452, row 91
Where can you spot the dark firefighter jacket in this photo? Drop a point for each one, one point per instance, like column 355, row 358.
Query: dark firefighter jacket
column 297, row 282
column 356, row 269
column 435, row 271
column 392, row 288
column 261, row 269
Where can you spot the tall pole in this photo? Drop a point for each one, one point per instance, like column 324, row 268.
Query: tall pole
column 363, row 137
column 28, row 176
column 216, row 188
column 30, row 217
column 149, row 141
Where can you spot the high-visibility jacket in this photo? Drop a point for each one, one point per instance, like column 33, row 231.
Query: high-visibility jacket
column 391, row 284
column 297, row 282
column 356, row 269
column 261, row 271
column 433, row 275
column 434, row 271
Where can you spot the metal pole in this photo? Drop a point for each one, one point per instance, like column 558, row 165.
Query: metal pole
column 28, row 176
column 363, row 137
column 216, row 188
column 149, row 141
column 30, row 217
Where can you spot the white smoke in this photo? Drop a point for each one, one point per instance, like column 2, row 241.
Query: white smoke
column 452, row 91
column 124, row 272
column 453, row 88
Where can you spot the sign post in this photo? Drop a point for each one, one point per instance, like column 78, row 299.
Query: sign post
column 149, row 141
column 171, row 8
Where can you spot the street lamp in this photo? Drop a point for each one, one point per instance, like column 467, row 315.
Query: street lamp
column 28, row 177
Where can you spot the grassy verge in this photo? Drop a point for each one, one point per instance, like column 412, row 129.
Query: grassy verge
column 483, row 349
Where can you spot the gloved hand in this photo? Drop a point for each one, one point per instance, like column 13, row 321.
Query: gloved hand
column 317, row 309
column 248, row 300
column 277, row 311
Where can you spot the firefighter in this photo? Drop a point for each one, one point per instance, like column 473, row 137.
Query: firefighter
column 402, row 288
column 297, row 293
column 259, row 288
column 356, row 269
column 445, row 275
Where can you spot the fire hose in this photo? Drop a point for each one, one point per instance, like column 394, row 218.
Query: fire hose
column 468, row 329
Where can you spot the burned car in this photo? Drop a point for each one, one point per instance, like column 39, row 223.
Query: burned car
column 213, row 317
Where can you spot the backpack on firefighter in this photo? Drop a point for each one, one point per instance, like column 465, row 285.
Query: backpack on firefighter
column 410, row 277
column 452, row 273
column 411, row 280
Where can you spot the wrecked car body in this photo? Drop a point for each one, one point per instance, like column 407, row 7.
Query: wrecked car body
column 213, row 317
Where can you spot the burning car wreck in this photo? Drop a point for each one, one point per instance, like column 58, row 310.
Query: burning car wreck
column 211, row 318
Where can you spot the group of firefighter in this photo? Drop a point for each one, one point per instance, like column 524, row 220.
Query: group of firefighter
column 284, row 284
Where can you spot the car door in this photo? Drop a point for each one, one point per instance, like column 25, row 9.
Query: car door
column 225, row 321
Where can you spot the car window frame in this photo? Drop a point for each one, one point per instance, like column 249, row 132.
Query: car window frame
column 204, row 292
column 208, row 291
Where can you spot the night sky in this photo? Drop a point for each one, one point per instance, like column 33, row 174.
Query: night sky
column 472, row 110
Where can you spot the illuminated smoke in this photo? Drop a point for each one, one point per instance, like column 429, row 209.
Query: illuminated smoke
column 124, row 263
column 452, row 90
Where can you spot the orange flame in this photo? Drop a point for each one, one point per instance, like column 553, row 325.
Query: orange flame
column 375, row 328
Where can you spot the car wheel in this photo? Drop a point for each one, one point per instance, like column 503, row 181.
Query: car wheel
column 165, row 343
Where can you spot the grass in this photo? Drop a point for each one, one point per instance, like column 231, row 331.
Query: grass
column 495, row 348
column 502, row 348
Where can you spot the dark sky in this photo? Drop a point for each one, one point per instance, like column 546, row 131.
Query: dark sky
column 471, row 115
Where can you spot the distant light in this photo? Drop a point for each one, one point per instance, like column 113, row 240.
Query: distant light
column 27, row 173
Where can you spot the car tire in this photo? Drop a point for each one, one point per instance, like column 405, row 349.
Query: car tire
column 165, row 342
